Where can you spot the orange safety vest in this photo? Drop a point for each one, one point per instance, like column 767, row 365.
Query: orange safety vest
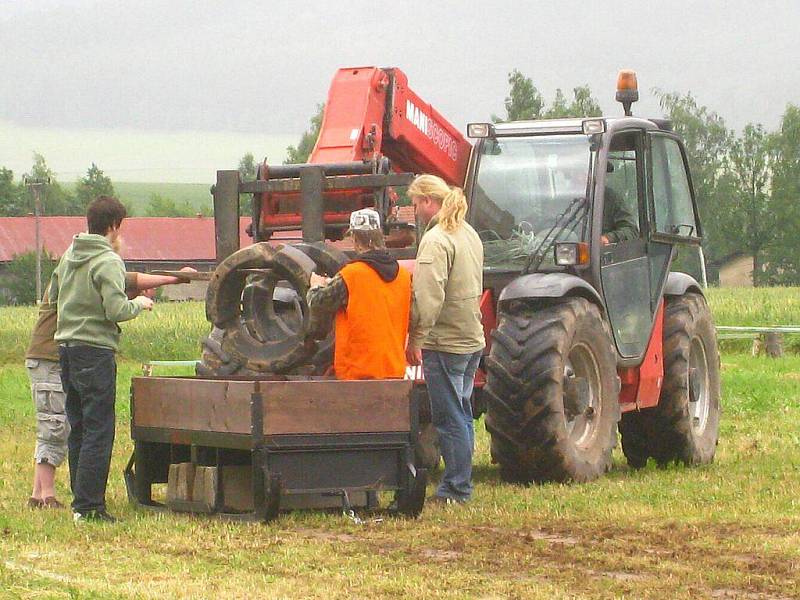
column 371, row 331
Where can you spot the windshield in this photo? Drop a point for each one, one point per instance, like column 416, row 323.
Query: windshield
column 525, row 186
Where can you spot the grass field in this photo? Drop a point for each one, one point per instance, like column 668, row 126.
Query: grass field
column 138, row 195
column 728, row 530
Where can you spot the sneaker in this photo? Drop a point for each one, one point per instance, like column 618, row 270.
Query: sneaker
column 443, row 500
column 51, row 502
column 93, row 516
column 34, row 503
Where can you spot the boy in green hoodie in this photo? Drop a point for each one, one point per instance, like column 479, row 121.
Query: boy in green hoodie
column 88, row 287
column 44, row 371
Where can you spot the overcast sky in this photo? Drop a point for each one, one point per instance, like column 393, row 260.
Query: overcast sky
column 251, row 73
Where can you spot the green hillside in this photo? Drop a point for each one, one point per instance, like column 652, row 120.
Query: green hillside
column 138, row 194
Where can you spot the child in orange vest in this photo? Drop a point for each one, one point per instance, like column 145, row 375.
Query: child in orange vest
column 370, row 299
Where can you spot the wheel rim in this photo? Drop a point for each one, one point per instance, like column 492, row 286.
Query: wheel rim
column 581, row 362
column 699, row 402
column 266, row 319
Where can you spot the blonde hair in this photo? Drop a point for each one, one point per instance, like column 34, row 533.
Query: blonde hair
column 451, row 199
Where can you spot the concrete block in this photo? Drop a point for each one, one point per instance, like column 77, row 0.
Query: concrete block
column 180, row 482
column 205, row 487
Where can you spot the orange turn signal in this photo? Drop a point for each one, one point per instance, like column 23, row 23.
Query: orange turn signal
column 626, row 80
column 583, row 253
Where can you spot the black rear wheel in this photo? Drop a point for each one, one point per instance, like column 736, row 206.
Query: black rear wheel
column 552, row 393
column 684, row 427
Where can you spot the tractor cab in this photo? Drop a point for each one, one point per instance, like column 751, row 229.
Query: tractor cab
column 604, row 200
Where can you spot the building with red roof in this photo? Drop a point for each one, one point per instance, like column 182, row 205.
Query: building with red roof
column 146, row 239
column 149, row 243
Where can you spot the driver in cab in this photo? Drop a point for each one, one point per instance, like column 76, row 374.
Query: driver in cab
column 620, row 223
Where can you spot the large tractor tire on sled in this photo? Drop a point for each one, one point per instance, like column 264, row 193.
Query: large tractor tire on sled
column 552, row 393
column 256, row 303
column 684, row 427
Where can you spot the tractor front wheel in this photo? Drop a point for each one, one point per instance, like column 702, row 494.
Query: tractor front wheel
column 552, row 393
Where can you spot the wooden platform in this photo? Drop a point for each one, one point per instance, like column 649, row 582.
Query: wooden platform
column 289, row 407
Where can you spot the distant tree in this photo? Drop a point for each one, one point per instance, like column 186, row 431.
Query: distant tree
column 247, row 172
column 708, row 143
column 11, row 200
column 783, row 255
column 753, row 219
column 130, row 207
column 20, row 277
column 55, row 200
column 523, row 101
column 40, row 170
column 159, row 206
column 582, row 105
column 559, row 108
column 247, row 167
column 300, row 154
column 94, row 184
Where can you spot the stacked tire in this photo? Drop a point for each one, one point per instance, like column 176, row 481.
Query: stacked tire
column 256, row 304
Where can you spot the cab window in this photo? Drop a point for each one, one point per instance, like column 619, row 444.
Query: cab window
column 672, row 197
column 621, row 206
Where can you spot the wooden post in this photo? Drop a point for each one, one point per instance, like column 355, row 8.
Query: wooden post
column 770, row 343
column 312, row 183
column 226, row 213
column 773, row 343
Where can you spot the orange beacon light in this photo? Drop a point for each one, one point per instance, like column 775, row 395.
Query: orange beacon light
column 627, row 89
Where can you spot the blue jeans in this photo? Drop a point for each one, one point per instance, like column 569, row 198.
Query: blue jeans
column 449, row 378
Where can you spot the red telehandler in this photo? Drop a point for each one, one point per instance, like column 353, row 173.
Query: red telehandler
column 589, row 329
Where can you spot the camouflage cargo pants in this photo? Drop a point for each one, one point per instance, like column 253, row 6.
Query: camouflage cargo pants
column 52, row 428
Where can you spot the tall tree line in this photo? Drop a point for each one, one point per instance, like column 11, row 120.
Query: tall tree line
column 17, row 200
column 747, row 186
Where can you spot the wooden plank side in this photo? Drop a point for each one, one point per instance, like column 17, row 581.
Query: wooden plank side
column 292, row 407
column 192, row 404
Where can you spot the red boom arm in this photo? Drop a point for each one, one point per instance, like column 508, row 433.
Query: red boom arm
column 370, row 114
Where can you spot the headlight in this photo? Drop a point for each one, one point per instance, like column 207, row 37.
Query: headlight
column 480, row 130
column 571, row 253
column 594, row 126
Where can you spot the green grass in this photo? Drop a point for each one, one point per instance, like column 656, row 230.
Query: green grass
column 172, row 331
column 755, row 306
column 727, row 530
